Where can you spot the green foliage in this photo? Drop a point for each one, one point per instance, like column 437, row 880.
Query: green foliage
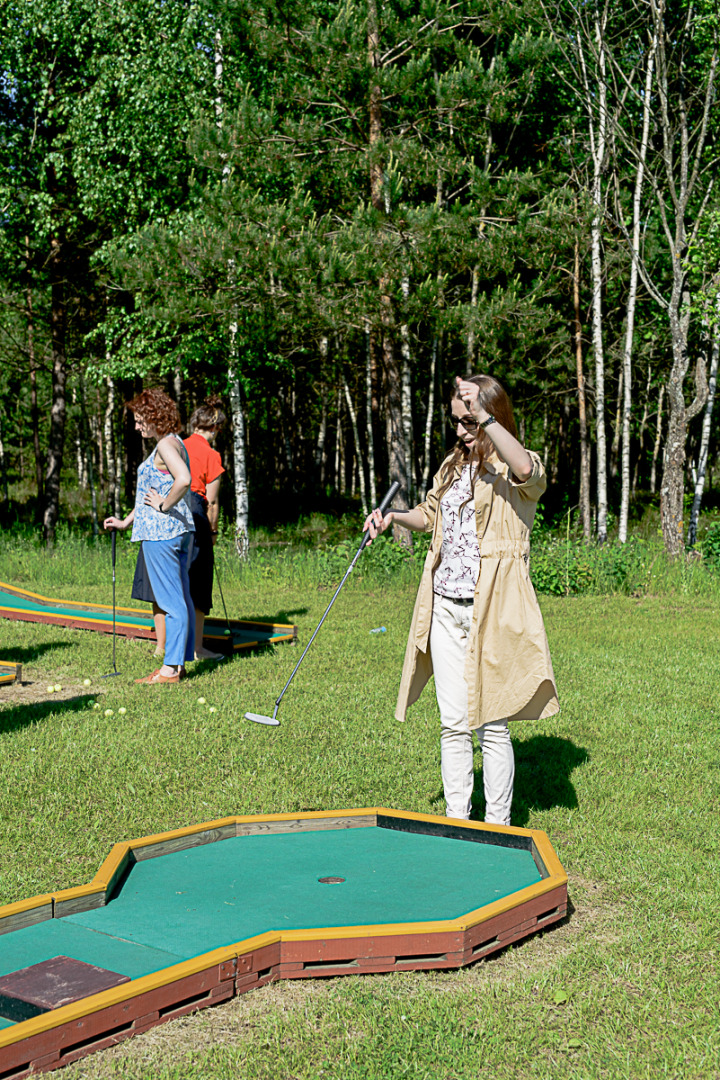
column 711, row 546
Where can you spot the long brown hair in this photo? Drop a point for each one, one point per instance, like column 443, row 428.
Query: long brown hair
column 494, row 400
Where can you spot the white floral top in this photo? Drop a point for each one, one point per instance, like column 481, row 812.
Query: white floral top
column 457, row 574
column 151, row 524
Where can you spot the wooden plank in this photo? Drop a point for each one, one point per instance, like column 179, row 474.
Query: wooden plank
column 183, row 843
column 25, row 913
column 304, row 824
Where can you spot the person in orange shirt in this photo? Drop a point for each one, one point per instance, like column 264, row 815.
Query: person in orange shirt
column 206, row 469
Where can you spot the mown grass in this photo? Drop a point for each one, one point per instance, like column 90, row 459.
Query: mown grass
column 625, row 782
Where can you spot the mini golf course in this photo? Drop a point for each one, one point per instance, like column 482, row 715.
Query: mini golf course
column 178, row 921
column 221, row 636
column 10, row 672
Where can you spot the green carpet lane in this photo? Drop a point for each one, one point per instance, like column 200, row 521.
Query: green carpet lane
column 193, row 901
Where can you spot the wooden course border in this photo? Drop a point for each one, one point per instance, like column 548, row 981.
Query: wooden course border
column 65, row 1034
column 10, row 673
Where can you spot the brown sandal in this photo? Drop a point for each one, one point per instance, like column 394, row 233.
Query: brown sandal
column 156, row 678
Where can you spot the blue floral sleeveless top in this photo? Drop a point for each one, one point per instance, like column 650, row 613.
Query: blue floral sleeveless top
column 149, row 523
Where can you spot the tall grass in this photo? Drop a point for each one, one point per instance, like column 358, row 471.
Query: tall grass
column 310, row 556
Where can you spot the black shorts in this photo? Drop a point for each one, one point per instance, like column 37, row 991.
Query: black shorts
column 202, row 556
column 141, row 587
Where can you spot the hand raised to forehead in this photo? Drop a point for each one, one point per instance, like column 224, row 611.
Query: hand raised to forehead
column 469, row 392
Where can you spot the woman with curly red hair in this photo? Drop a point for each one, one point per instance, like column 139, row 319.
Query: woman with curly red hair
column 162, row 521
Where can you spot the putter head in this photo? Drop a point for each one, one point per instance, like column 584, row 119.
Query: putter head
column 256, row 718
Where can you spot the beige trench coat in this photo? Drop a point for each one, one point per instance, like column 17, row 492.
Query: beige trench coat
column 508, row 668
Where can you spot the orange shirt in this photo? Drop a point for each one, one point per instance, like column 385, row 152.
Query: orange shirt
column 205, row 463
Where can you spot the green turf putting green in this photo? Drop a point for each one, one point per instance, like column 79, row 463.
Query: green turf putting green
column 193, row 901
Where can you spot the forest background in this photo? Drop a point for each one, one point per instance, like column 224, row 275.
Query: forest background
column 324, row 211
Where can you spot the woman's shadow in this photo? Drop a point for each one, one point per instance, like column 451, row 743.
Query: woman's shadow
column 543, row 766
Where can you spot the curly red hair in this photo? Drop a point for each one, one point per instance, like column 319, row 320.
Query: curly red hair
column 157, row 410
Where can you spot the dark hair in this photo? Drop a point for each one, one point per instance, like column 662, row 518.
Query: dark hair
column 494, row 400
column 157, row 410
column 209, row 416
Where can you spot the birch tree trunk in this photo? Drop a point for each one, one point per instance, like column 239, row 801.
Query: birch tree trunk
column 658, row 438
column 322, row 436
column 406, row 403
column 585, row 518
column 58, row 411
column 369, row 417
column 474, row 290
column 34, row 410
column 632, row 295
column 427, row 448
column 704, row 439
column 237, row 413
column 596, row 107
column 641, row 432
column 358, row 449
column 112, row 477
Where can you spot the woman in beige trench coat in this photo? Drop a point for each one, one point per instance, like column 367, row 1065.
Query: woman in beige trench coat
column 477, row 625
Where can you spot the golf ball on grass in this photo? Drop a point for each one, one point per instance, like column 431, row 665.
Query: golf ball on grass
column 87, row 682
column 212, row 709
column 51, row 689
column 58, row 687
column 108, row 712
column 201, row 701
column 97, row 705
column 122, row 710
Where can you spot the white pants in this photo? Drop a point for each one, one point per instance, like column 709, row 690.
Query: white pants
column 449, row 634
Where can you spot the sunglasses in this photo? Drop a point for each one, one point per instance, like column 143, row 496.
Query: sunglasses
column 468, row 422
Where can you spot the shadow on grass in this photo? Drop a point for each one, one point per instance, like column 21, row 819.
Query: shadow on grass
column 20, row 716
column 284, row 617
column 543, row 766
column 32, row 652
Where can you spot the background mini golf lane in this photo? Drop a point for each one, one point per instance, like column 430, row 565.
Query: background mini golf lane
column 26, row 603
column 214, row 627
column 193, row 901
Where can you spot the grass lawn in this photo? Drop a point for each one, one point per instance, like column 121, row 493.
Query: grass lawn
column 624, row 781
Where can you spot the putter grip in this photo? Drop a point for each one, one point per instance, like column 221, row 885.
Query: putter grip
column 391, row 493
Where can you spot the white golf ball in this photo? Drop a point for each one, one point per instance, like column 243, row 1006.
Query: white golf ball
column 108, row 712
column 58, row 687
column 212, row 709
column 201, row 701
column 87, row 682
column 97, row 705
column 122, row 710
column 51, row 689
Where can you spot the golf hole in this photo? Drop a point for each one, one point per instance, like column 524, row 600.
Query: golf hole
column 331, row 880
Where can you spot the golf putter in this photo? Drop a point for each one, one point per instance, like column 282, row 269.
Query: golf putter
column 113, row 546
column 272, row 721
